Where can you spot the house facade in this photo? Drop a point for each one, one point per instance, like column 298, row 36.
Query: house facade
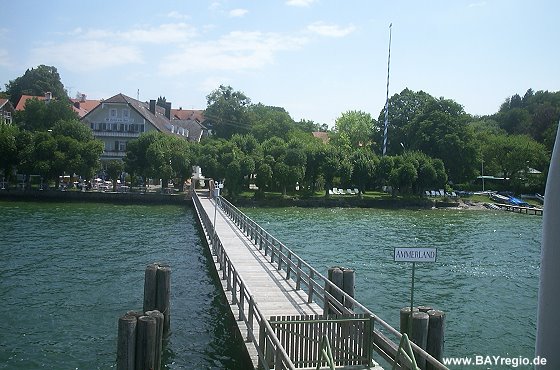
column 6, row 111
column 120, row 119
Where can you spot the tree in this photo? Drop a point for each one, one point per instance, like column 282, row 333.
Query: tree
column 114, row 169
column 8, row 149
column 364, row 163
column 36, row 81
column 39, row 115
column 358, row 127
column 330, row 167
column 267, row 121
column 226, row 112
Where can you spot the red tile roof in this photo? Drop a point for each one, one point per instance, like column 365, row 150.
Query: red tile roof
column 188, row 114
column 82, row 107
column 23, row 100
column 322, row 135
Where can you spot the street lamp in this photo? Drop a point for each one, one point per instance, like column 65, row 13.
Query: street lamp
column 216, row 196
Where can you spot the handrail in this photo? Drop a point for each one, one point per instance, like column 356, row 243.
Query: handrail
column 271, row 354
column 318, row 286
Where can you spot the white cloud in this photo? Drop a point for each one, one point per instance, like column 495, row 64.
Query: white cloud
column 331, row 30
column 85, row 56
column 299, row 2
column 477, row 5
column 238, row 12
column 176, row 15
column 211, row 83
column 236, row 51
column 5, row 58
column 165, row 33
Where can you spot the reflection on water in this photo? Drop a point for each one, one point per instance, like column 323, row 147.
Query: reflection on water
column 485, row 278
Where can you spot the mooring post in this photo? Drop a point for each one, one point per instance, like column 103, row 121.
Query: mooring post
column 420, row 334
column 126, row 342
column 436, row 336
column 163, row 296
column 404, row 318
column 145, row 343
column 159, row 336
column 150, row 286
column 348, row 285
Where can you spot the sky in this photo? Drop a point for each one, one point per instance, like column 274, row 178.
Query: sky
column 315, row 58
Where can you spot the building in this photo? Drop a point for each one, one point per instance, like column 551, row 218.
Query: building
column 83, row 106
column 6, row 111
column 24, row 98
column 120, row 119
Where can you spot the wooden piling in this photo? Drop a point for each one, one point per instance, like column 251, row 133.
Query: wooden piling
column 420, row 334
column 348, row 285
column 163, row 296
column 424, row 308
column 146, row 343
column 337, row 279
column 436, row 335
column 159, row 336
column 150, row 286
column 404, row 317
column 126, row 342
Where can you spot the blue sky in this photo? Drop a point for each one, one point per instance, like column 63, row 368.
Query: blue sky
column 315, row 58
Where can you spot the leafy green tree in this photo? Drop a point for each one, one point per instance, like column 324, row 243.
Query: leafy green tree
column 403, row 175
column 264, row 177
column 267, row 121
column 39, row 115
column 364, row 163
column 358, row 127
column 136, row 160
column 114, row 169
column 226, row 112
column 403, row 109
column 330, row 167
column 8, row 149
column 36, row 81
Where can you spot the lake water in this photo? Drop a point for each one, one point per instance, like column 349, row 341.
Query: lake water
column 485, row 278
column 70, row 270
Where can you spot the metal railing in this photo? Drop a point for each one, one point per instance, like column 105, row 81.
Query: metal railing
column 319, row 289
column 271, row 354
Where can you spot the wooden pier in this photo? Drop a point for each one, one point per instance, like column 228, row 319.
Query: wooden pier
column 279, row 301
column 520, row 209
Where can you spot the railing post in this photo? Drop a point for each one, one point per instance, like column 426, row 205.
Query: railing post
column 298, row 278
column 227, row 276
column 266, row 244
column 288, row 265
column 241, row 301
column 279, row 256
column 310, row 294
column 272, row 251
column 250, row 334
column 262, row 342
column 234, row 289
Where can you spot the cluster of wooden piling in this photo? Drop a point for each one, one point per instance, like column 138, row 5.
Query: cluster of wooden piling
column 428, row 329
column 141, row 334
column 344, row 278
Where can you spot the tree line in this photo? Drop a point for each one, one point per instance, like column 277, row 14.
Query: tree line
column 432, row 143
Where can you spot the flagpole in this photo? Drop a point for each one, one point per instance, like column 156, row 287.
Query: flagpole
column 387, row 100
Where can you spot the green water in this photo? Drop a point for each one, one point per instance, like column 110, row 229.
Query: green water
column 485, row 278
column 70, row 270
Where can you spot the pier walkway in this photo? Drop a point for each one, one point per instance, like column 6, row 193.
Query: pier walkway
column 279, row 301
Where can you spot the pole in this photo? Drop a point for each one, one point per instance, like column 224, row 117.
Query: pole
column 548, row 319
column 216, row 196
column 411, row 300
column 387, row 100
column 482, row 174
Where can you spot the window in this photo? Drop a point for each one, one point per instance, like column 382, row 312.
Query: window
column 121, row 127
column 125, row 114
column 113, row 113
column 122, row 146
column 141, row 128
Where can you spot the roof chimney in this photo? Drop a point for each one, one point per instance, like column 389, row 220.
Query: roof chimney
column 48, row 96
column 168, row 110
column 83, row 98
column 153, row 107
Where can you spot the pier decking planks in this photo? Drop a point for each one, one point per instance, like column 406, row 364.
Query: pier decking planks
column 274, row 295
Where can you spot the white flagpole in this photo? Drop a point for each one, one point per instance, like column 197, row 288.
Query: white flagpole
column 387, row 100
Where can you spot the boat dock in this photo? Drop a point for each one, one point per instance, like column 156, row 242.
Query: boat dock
column 520, row 209
column 279, row 301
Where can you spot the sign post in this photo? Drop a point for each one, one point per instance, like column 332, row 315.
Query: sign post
column 414, row 255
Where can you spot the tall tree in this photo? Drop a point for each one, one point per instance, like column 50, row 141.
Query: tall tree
column 36, row 81
column 226, row 112
column 358, row 126
column 267, row 121
column 39, row 115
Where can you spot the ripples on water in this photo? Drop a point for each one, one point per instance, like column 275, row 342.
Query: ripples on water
column 485, row 277
column 70, row 270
